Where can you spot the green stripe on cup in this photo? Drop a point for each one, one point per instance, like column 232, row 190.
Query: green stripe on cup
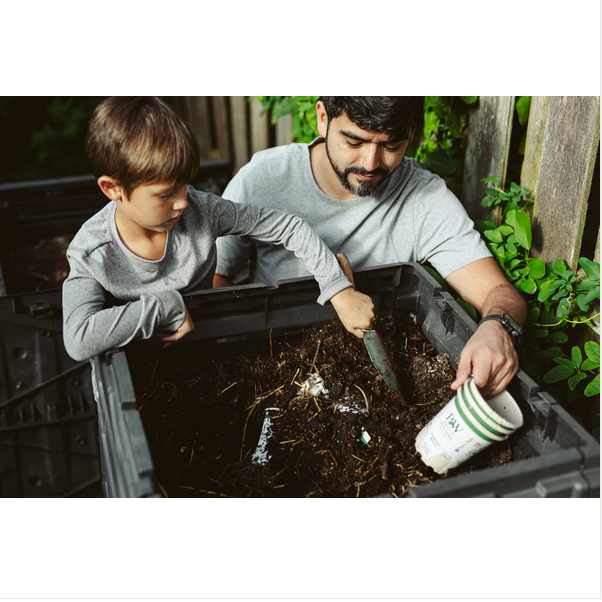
column 480, row 420
column 471, row 426
column 477, row 403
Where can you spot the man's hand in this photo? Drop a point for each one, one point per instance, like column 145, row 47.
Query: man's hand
column 186, row 327
column 220, row 281
column 355, row 310
column 491, row 358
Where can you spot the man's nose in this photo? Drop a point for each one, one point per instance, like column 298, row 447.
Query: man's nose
column 371, row 157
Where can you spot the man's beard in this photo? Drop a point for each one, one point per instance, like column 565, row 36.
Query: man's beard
column 363, row 188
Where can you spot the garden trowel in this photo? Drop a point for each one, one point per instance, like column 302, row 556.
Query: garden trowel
column 374, row 344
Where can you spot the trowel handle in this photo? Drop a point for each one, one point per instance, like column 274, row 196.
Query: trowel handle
column 346, row 267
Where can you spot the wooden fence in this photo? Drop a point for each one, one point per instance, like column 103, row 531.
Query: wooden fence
column 560, row 166
column 231, row 127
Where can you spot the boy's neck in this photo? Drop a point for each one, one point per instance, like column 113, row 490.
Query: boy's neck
column 144, row 243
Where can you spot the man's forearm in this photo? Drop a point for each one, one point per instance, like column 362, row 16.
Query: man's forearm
column 505, row 299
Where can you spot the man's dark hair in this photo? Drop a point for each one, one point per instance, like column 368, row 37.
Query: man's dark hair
column 397, row 116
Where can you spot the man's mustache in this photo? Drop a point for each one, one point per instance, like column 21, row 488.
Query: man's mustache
column 364, row 172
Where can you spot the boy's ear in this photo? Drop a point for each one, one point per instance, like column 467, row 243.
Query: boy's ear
column 111, row 187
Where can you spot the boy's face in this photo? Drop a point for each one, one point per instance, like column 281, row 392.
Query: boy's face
column 155, row 207
column 363, row 160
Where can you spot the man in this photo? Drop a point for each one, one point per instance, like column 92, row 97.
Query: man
column 363, row 198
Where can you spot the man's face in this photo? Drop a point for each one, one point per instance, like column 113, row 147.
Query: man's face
column 155, row 207
column 363, row 160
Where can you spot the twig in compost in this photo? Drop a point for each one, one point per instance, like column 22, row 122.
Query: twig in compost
column 154, row 370
column 365, row 398
column 315, row 357
column 162, row 489
column 271, row 348
column 228, row 387
column 292, row 381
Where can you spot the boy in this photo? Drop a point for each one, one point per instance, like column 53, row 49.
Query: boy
column 157, row 239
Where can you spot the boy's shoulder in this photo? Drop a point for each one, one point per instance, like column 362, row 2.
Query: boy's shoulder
column 95, row 233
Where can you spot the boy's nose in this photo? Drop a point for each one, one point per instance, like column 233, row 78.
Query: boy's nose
column 180, row 204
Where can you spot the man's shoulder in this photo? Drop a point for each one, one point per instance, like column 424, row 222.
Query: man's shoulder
column 419, row 184
column 276, row 160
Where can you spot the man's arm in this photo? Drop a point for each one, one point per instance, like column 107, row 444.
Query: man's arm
column 489, row 354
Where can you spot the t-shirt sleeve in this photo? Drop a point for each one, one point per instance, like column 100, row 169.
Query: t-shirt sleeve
column 90, row 328
column 233, row 252
column 445, row 235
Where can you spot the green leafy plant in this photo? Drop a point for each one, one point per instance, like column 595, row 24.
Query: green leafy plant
column 557, row 297
column 303, row 110
column 445, row 123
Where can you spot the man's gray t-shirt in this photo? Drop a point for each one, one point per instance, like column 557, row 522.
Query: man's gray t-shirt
column 413, row 217
column 150, row 292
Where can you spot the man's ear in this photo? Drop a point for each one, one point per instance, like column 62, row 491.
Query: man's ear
column 111, row 187
column 322, row 118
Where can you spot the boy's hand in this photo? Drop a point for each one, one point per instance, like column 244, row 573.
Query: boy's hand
column 186, row 327
column 355, row 310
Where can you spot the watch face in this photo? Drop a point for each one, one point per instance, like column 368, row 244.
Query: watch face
column 513, row 324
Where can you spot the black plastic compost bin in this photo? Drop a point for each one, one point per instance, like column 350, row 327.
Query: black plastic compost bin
column 553, row 454
column 48, row 415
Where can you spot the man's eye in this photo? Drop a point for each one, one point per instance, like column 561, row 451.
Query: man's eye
column 354, row 144
column 392, row 149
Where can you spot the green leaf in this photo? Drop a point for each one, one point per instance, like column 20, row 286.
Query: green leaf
column 512, row 248
column 523, row 230
column 548, row 353
column 514, row 262
column 515, row 188
column 558, row 267
column 575, row 380
column 523, row 105
column 563, row 361
column 469, row 100
column 587, row 285
column 592, row 350
column 511, row 217
column 527, row 286
column 582, row 303
column 589, row 365
column 481, row 225
column 559, row 337
column 593, row 294
column 522, row 144
column 537, row 268
column 505, row 230
column 576, row 357
column 593, row 388
column 557, row 374
column 493, row 236
column 511, row 206
column 545, row 291
column 591, row 268
column 539, row 333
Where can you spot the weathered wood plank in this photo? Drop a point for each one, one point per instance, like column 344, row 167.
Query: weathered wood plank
column 222, row 126
column 260, row 126
column 284, row 130
column 487, row 148
column 197, row 112
column 559, row 171
column 238, row 112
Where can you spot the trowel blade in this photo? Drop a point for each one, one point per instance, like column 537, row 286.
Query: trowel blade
column 380, row 358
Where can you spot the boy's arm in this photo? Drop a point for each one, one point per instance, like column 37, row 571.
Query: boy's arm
column 90, row 329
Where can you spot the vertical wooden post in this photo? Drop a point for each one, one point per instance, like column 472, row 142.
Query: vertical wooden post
column 222, row 126
column 560, row 156
column 487, row 148
column 238, row 108
column 260, row 127
column 284, row 130
column 197, row 113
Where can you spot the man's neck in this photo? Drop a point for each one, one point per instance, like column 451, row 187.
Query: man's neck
column 325, row 177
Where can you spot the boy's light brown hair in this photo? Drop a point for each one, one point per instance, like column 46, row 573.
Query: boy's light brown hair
column 140, row 140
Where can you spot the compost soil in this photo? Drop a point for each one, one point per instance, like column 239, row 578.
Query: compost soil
column 204, row 418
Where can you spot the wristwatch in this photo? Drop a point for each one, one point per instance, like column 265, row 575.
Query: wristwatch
column 509, row 324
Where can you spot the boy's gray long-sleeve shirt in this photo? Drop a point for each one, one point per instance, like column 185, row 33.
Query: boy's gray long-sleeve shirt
column 151, row 290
